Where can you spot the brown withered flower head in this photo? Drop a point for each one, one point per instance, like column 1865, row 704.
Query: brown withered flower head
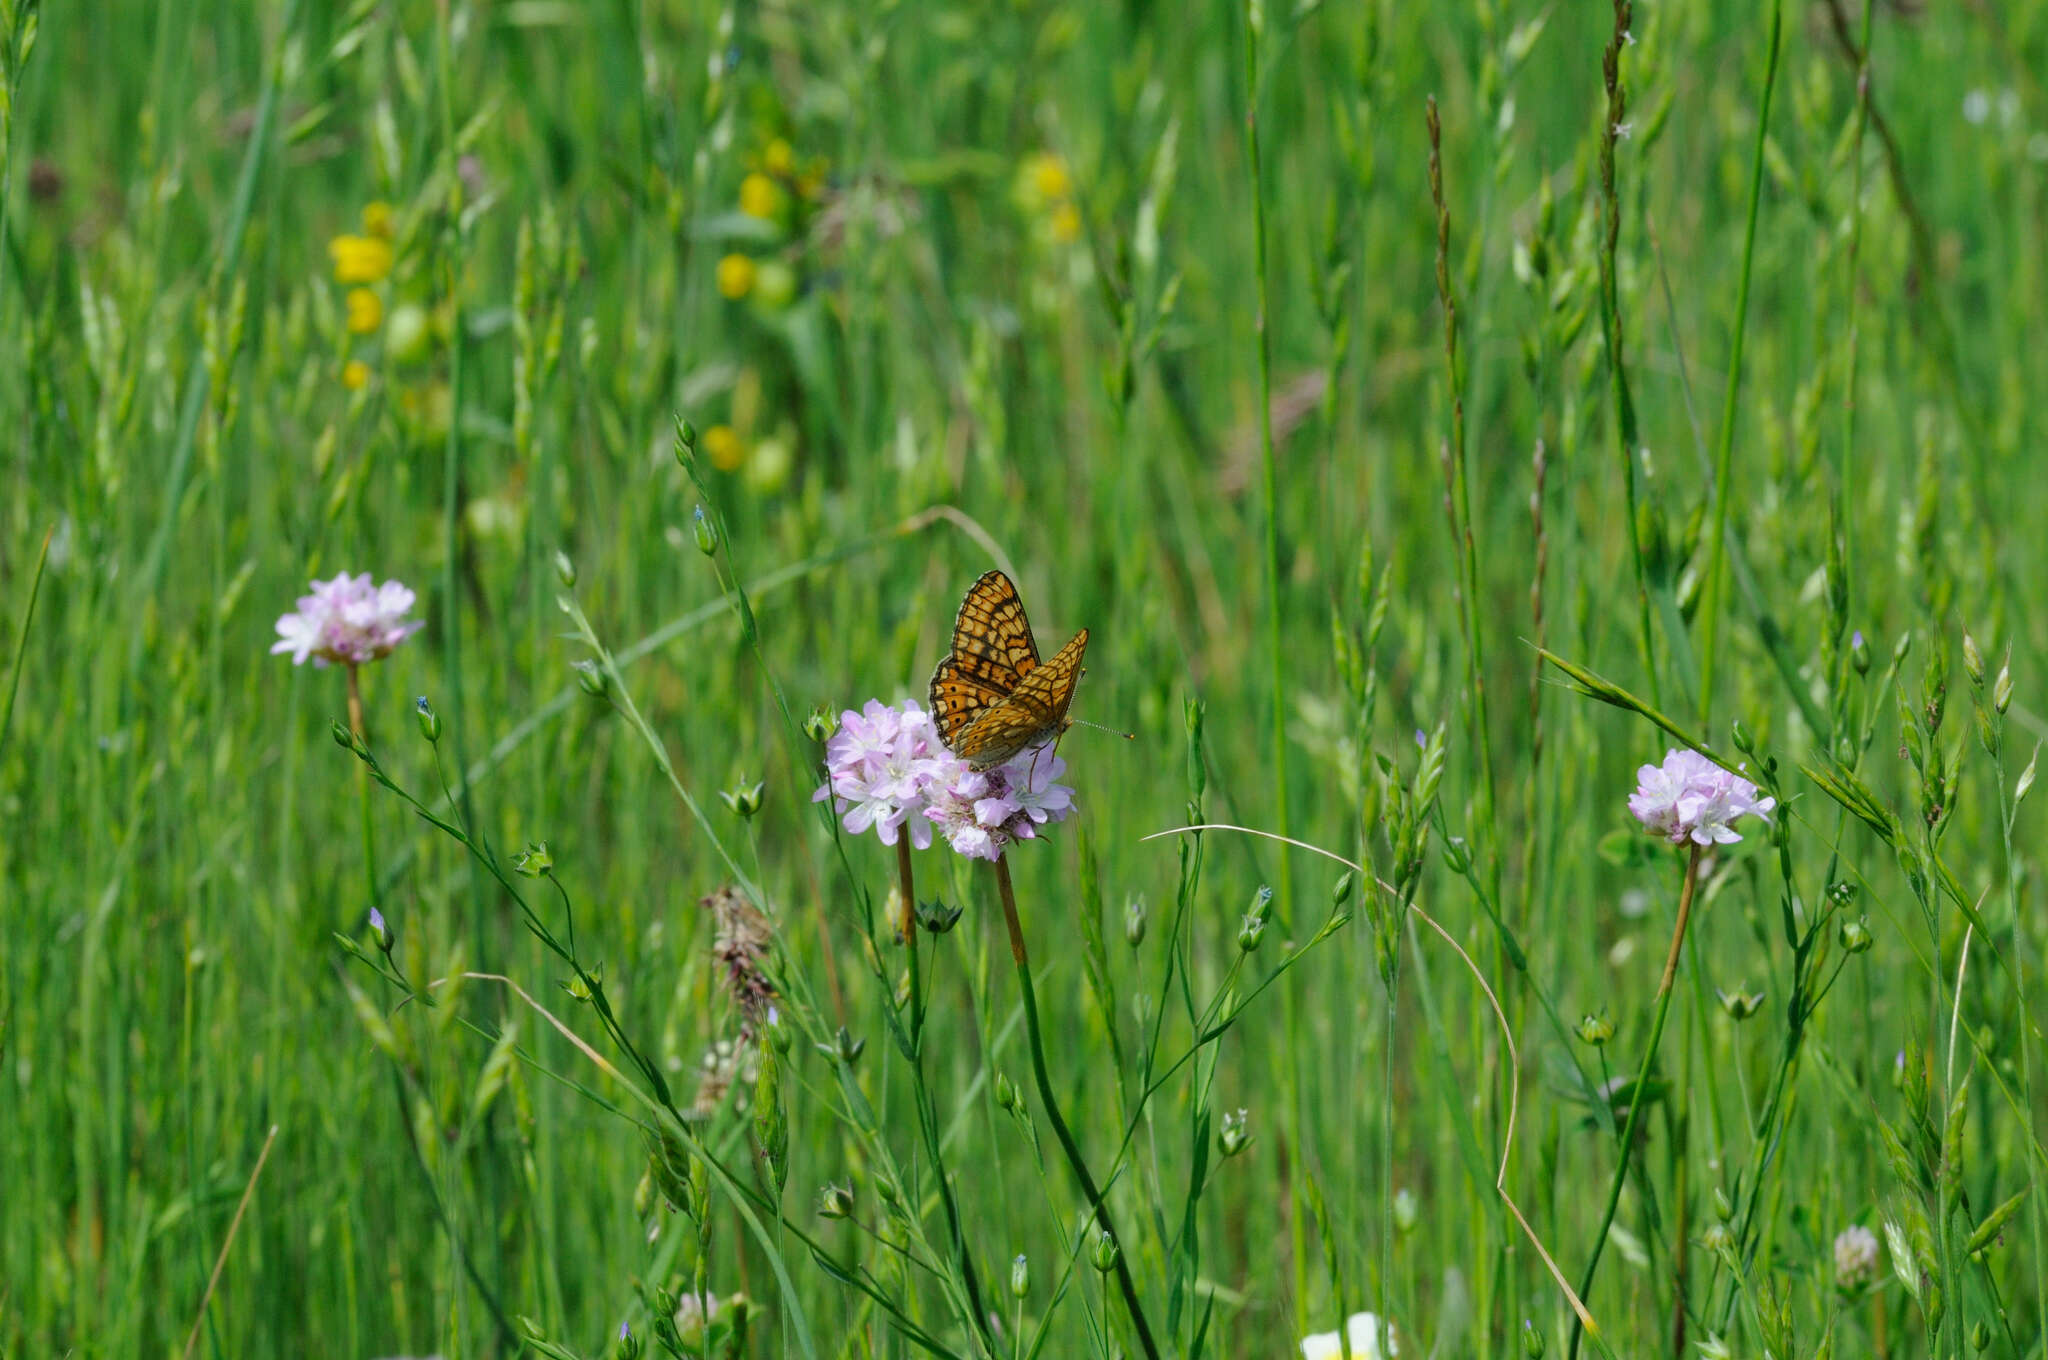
column 739, row 942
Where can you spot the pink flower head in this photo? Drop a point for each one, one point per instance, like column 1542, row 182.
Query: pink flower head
column 887, row 770
column 982, row 811
column 878, row 767
column 347, row 621
column 1690, row 798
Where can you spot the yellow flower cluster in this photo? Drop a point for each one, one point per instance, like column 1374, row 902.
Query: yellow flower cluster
column 359, row 263
column 1045, row 190
column 774, row 193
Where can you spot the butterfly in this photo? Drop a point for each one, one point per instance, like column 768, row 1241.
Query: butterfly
column 991, row 697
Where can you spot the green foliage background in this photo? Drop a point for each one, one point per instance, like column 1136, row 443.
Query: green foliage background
column 986, row 357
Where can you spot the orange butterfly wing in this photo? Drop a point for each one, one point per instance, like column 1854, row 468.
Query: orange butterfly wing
column 1032, row 714
column 992, row 650
column 990, row 696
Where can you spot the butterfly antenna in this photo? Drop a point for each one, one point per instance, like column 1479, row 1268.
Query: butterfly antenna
column 1114, row 732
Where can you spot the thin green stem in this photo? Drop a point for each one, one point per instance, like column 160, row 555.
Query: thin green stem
column 1724, row 451
column 28, row 616
column 927, row 1114
column 1068, row 1146
column 1636, row 1092
column 1276, row 655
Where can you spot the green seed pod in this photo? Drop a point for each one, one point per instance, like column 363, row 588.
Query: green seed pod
column 1105, row 1253
column 706, row 532
column 1020, row 1277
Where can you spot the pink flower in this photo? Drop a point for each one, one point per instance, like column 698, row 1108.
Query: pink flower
column 347, row 621
column 982, row 812
column 878, row 767
column 1690, row 798
column 887, row 770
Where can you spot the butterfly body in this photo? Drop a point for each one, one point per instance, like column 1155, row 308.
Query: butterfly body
column 991, row 697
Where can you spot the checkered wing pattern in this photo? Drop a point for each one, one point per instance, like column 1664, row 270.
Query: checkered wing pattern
column 990, row 696
column 1032, row 714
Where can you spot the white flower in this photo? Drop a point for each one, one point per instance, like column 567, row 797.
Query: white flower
column 1362, row 1331
column 1855, row 1256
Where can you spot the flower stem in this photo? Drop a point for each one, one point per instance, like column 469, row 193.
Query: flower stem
column 362, row 735
column 927, row 1114
column 1059, row 1123
column 1635, row 1097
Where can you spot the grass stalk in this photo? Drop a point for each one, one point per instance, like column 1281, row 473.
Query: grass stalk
column 1626, row 1149
column 1297, row 1230
column 1068, row 1147
column 1724, row 449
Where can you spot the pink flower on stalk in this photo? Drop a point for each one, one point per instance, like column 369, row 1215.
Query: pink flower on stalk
column 1690, row 798
column 887, row 770
column 347, row 621
column 878, row 767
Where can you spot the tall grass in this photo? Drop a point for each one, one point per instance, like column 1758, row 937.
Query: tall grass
column 1336, row 365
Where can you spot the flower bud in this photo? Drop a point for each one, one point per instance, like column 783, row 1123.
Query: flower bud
column 1340, row 891
column 1407, row 1211
column 1134, row 922
column 1723, row 1210
column 1859, row 652
column 1457, row 857
column 534, row 861
column 1744, row 739
column 820, row 725
column 1854, row 936
column 1973, row 660
column 1595, row 1029
column 835, row 1201
column 565, row 570
column 629, row 1345
column 531, row 1329
column 849, row 1048
column 343, row 738
column 1234, row 1137
column 583, row 986
column 1020, row 1277
column 1105, row 1253
column 1980, row 1336
column 379, row 931
column 2001, row 688
column 1532, row 1340
column 1006, row 1093
column 705, row 530
column 430, row 721
column 1249, row 934
column 777, row 1033
column 686, row 442
column 592, row 679
column 1740, row 1005
column 743, row 798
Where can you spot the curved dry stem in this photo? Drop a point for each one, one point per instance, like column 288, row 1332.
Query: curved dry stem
column 1500, row 1182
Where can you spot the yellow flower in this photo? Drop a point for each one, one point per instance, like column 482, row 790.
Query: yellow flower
column 1049, row 177
column 355, row 375
column 725, row 448
column 760, row 197
column 1066, row 224
column 377, row 219
column 365, row 311
column 779, row 158
column 360, row 259
column 736, row 276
